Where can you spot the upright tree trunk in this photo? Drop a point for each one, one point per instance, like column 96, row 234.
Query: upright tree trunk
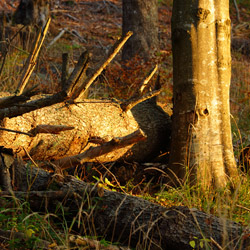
column 201, row 134
column 32, row 12
column 141, row 17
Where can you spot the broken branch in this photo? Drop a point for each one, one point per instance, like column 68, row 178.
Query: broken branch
column 147, row 79
column 78, row 94
column 31, row 60
column 94, row 152
column 129, row 104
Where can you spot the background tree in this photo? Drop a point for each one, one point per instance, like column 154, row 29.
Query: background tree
column 201, row 138
column 32, row 12
column 141, row 17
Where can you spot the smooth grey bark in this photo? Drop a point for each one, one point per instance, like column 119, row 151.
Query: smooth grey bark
column 141, row 17
column 201, row 135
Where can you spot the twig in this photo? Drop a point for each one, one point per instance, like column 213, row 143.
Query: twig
column 148, row 78
column 243, row 207
column 237, row 11
column 49, row 129
column 65, row 69
column 76, row 34
column 216, row 243
column 27, row 153
column 56, row 38
column 71, row 17
column 78, row 94
column 31, row 60
column 118, row 183
column 129, row 104
column 16, row 131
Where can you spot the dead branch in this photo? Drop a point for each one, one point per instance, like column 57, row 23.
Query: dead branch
column 95, row 152
column 78, row 74
column 21, row 109
column 49, row 129
column 16, row 131
column 31, row 60
column 65, row 69
column 14, row 100
column 78, row 94
column 148, row 78
column 129, row 104
column 56, row 38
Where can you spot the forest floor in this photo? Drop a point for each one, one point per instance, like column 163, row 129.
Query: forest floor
column 96, row 25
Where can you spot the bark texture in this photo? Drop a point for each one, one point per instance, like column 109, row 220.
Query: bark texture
column 32, row 12
column 201, row 138
column 129, row 219
column 94, row 122
column 141, row 17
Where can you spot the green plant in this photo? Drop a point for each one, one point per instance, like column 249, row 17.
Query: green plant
column 199, row 243
column 17, row 217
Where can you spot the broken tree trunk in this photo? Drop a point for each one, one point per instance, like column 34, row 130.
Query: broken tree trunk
column 82, row 124
column 128, row 219
column 93, row 122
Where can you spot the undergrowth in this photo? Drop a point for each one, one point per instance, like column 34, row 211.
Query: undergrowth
column 235, row 207
column 122, row 81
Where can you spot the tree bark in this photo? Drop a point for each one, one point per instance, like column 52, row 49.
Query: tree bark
column 128, row 219
column 32, row 12
column 141, row 17
column 94, row 123
column 201, row 138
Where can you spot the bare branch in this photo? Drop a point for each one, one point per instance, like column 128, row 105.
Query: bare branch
column 148, row 78
column 79, row 72
column 78, row 94
column 15, row 100
column 129, row 104
column 94, row 152
column 31, row 60
column 49, row 129
column 65, row 69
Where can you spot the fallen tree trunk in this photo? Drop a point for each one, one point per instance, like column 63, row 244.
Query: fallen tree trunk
column 82, row 124
column 94, row 122
column 129, row 219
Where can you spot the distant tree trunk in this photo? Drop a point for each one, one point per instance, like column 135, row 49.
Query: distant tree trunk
column 141, row 17
column 32, row 12
column 201, row 134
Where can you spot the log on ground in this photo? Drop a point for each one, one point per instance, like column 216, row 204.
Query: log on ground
column 94, row 122
column 129, row 219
